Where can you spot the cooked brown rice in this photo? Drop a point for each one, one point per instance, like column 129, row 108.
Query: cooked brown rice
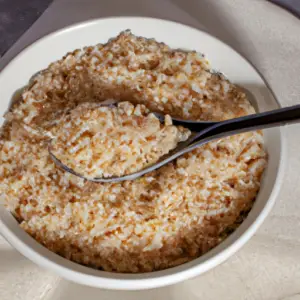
column 105, row 141
column 160, row 220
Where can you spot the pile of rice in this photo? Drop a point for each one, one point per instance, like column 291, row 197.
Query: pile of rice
column 160, row 220
column 99, row 141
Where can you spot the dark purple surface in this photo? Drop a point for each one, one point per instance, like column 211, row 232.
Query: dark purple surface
column 16, row 16
column 292, row 5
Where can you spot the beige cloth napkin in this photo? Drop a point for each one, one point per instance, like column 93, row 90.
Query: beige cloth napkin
column 268, row 266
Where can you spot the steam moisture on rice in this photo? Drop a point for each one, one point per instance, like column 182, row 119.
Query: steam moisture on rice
column 160, row 220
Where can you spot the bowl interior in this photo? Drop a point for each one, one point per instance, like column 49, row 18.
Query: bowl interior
column 52, row 47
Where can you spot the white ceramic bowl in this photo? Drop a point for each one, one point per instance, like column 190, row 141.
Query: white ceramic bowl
column 235, row 67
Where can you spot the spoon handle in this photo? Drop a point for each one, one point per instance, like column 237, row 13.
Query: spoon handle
column 273, row 118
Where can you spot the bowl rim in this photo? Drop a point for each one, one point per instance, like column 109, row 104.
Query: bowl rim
column 139, row 281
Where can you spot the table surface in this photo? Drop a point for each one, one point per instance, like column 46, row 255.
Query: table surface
column 268, row 266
